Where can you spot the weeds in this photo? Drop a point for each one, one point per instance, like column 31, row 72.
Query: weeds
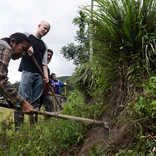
column 51, row 137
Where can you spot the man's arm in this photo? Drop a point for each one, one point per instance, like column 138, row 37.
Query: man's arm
column 45, row 68
column 6, row 89
column 62, row 84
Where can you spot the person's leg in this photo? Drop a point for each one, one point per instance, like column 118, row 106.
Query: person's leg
column 41, row 101
column 25, row 92
column 48, row 104
column 37, row 90
column 25, row 88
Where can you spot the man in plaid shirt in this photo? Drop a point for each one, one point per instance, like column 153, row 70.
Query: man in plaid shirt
column 13, row 47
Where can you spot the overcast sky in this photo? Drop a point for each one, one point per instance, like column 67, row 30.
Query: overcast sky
column 25, row 15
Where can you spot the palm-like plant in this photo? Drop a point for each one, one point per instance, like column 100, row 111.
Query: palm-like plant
column 79, row 52
column 124, row 40
column 81, row 21
column 85, row 80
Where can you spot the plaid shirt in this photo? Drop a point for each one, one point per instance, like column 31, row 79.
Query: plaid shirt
column 6, row 90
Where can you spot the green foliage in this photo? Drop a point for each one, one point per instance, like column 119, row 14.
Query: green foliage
column 70, row 85
column 64, row 78
column 81, row 21
column 74, row 101
column 124, row 41
column 85, row 79
column 51, row 137
column 46, row 138
column 144, row 147
column 76, row 107
column 140, row 118
column 151, row 86
column 75, row 53
column 145, row 106
column 123, row 36
column 79, row 53
column 142, row 112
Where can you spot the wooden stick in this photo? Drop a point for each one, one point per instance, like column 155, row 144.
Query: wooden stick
column 49, row 86
column 66, row 117
column 72, row 118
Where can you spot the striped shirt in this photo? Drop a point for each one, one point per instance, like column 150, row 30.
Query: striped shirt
column 6, row 89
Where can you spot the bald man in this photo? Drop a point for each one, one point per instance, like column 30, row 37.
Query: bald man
column 31, row 86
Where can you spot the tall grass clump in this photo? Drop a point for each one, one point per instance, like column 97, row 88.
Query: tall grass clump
column 53, row 137
column 141, row 116
column 76, row 106
column 124, row 41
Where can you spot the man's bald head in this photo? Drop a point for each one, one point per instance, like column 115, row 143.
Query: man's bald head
column 43, row 29
column 45, row 23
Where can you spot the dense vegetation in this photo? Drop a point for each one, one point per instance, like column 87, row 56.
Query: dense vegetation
column 121, row 70
column 115, row 79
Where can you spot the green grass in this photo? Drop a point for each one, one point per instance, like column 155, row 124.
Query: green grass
column 4, row 113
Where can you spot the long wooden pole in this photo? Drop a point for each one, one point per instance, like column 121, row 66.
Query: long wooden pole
column 49, row 86
column 66, row 117
column 72, row 118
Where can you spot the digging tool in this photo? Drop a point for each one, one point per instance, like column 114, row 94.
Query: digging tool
column 49, row 86
column 66, row 117
column 72, row 118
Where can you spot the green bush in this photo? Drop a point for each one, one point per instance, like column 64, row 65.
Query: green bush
column 45, row 138
column 143, row 117
column 76, row 106
column 145, row 106
column 50, row 137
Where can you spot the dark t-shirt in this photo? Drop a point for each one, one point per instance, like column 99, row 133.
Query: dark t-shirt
column 39, row 48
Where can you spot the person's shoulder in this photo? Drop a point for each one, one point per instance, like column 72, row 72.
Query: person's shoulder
column 31, row 36
column 27, row 34
column 45, row 45
column 5, row 44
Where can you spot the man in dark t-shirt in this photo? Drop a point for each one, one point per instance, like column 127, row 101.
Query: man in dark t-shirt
column 31, row 86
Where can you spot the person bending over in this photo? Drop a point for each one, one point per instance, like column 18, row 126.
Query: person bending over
column 13, row 47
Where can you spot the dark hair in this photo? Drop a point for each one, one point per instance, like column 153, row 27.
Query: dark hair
column 52, row 74
column 19, row 38
column 49, row 50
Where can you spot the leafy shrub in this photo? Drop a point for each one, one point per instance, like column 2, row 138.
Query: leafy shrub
column 143, row 117
column 45, row 138
column 77, row 107
column 48, row 137
column 145, row 106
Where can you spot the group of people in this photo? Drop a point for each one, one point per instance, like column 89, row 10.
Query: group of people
column 33, row 88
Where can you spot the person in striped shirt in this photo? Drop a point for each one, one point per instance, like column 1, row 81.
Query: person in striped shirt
column 13, row 47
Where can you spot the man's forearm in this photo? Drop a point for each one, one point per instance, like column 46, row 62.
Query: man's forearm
column 45, row 70
column 8, row 92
